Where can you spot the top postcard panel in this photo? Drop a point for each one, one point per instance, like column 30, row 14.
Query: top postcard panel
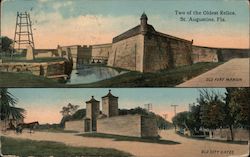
column 140, row 43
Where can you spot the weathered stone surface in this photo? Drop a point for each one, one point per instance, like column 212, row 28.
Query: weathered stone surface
column 204, row 54
column 110, row 105
column 30, row 53
column 78, row 54
column 128, row 53
column 38, row 69
column 92, row 112
column 148, row 127
column 102, row 50
column 162, row 52
column 128, row 125
column 77, row 125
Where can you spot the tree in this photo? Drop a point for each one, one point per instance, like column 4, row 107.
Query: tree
column 6, row 44
column 181, row 119
column 7, row 106
column 69, row 110
column 212, row 109
column 237, row 108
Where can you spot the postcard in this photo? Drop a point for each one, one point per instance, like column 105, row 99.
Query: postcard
column 140, row 43
column 123, row 122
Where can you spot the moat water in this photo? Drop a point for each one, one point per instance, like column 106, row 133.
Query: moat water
column 90, row 74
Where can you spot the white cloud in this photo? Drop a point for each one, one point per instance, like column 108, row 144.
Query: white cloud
column 42, row 1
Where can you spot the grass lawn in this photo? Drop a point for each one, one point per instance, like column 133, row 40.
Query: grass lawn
column 20, row 147
column 164, row 78
column 8, row 79
column 129, row 138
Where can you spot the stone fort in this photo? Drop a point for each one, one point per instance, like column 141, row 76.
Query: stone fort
column 109, row 121
column 144, row 49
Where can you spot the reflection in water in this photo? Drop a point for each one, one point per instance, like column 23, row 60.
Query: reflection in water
column 89, row 74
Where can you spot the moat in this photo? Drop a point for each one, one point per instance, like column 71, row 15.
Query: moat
column 90, row 74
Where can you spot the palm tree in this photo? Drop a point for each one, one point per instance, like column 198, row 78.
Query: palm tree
column 7, row 107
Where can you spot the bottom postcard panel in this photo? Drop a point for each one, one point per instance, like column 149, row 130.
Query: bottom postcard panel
column 142, row 122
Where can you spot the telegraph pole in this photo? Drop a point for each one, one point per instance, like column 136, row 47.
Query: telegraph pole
column 149, row 107
column 165, row 117
column 174, row 106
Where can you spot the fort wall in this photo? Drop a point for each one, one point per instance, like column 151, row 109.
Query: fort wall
column 162, row 52
column 77, row 125
column 204, row 54
column 101, row 51
column 128, row 53
column 211, row 54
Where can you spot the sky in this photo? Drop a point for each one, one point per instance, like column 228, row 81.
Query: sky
column 86, row 22
column 44, row 104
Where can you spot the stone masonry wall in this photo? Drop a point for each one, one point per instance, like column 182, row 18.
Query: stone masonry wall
column 128, row 125
column 148, row 127
column 227, row 54
column 128, row 53
column 204, row 54
column 239, row 134
column 110, row 106
column 210, row 54
column 38, row 69
column 77, row 125
column 162, row 52
column 102, row 50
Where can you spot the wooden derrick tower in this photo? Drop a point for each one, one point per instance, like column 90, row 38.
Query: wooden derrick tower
column 23, row 32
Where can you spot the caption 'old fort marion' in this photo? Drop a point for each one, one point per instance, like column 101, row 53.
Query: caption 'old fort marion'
column 144, row 49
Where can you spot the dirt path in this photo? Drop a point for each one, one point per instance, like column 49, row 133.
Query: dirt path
column 234, row 73
column 187, row 148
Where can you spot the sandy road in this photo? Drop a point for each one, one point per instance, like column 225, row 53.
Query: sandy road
column 234, row 73
column 187, row 148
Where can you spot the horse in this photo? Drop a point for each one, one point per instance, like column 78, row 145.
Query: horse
column 31, row 126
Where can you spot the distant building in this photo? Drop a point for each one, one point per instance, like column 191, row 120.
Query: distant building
column 79, row 54
column 110, row 122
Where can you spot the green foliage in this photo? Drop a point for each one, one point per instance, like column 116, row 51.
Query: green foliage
column 216, row 111
column 69, row 110
column 238, row 104
column 6, row 44
column 7, row 106
column 79, row 114
column 212, row 109
column 190, row 120
column 181, row 119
